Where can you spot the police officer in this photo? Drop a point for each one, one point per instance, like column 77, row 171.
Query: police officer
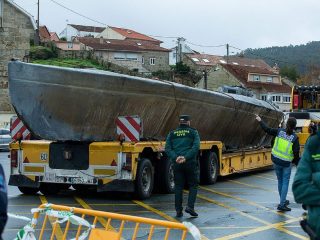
column 3, row 201
column 285, row 151
column 182, row 147
column 306, row 184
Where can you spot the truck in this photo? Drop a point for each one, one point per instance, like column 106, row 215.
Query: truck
column 105, row 131
column 305, row 107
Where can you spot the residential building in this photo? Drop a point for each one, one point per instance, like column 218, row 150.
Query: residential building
column 68, row 45
column 141, row 56
column 17, row 28
column 263, row 82
column 201, row 62
column 54, row 37
column 72, row 30
column 126, row 34
column 44, row 34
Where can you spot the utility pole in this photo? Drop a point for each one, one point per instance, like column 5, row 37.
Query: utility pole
column 37, row 38
column 205, row 78
column 227, row 53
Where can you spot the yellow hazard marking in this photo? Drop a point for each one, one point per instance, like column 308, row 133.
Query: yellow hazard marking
column 245, row 201
column 277, row 226
column 162, row 214
column 264, row 228
column 58, row 231
column 33, row 169
column 257, row 187
column 100, row 219
column 271, row 179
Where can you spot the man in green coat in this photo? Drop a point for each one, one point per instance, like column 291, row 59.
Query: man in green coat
column 182, row 147
column 306, row 184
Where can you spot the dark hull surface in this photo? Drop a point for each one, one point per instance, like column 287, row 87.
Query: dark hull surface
column 82, row 105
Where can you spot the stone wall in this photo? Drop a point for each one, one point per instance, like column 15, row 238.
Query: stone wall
column 161, row 61
column 15, row 37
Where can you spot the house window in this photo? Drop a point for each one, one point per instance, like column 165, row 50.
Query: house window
column 264, row 97
column 70, row 44
column 276, row 98
column 126, row 56
column 269, row 79
column 205, row 60
column 195, row 59
column 152, row 61
column 256, row 78
column 142, row 60
column 286, row 99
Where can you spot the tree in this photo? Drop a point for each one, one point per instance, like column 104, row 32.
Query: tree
column 289, row 72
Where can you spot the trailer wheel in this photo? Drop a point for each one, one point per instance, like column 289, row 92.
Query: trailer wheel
column 209, row 168
column 28, row 190
column 144, row 179
column 166, row 182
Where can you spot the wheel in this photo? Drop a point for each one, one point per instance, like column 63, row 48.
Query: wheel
column 49, row 188
column 144, row 179
column 165, row 176
column 209, row 168
column 28, row 190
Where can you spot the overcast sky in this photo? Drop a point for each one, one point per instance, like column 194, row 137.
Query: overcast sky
column 241, row 23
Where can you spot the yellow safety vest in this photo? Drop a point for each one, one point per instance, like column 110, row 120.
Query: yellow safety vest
column 282, row 148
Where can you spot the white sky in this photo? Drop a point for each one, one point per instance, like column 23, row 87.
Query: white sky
column 241, row 23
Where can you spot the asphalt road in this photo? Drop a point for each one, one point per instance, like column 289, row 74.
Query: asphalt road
column 238, row 207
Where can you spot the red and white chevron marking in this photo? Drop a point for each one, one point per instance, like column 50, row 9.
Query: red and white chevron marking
column 130, row 127
column 17, row 126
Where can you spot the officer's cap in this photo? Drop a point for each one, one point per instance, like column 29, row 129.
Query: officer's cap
column 184, row 118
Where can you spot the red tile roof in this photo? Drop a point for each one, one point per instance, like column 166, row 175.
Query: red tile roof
column 121, row 45
column 249, row 62
column 242, row 72
column 54, row 36
column 130, row 34
column 204, row 59
column 44, row 33
column 83, row 28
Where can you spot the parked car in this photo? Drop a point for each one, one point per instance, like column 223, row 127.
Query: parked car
column 5, row 139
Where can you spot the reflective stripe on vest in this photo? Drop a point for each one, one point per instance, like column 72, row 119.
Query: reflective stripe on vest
column 282, row 149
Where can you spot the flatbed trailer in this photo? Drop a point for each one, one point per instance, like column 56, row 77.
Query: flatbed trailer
column 140, row 167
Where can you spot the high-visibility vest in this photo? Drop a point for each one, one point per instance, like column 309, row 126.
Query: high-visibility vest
column 282, row 147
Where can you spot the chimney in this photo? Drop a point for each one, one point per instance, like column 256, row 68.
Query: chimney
column 101, row 40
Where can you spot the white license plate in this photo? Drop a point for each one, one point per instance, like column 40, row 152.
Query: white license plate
column 78, row 180
column 50, row 177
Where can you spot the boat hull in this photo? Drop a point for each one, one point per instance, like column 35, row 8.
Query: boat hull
column 82, row 105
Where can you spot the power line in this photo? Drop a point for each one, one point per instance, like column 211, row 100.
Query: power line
column 91, row 19
column 199, row 45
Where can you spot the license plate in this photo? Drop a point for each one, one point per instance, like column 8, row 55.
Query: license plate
column 50, row 177
column 77, row 180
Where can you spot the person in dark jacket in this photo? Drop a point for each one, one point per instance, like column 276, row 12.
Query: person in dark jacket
column 285, row 151
column 182, row 147
column 3, row 201
column 306, row 183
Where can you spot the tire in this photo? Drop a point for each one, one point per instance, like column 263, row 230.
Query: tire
column 144, row 179
column 209, row 168
column 165, row 176
column 28, row 190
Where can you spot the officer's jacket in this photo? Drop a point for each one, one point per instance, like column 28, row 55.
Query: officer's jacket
column 183, row 141
column 306, row 184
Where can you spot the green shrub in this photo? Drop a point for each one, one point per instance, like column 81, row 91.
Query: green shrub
column 39, row 52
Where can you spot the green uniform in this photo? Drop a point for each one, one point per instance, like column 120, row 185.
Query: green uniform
column 306, row 185
column 184, row 141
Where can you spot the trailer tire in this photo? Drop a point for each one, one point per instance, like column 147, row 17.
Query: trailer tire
column 166, row 176
column 144, row 179
column 28, row 190
column 209, row 168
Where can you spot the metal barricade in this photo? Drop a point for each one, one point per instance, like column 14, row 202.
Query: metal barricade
column 58, row 223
